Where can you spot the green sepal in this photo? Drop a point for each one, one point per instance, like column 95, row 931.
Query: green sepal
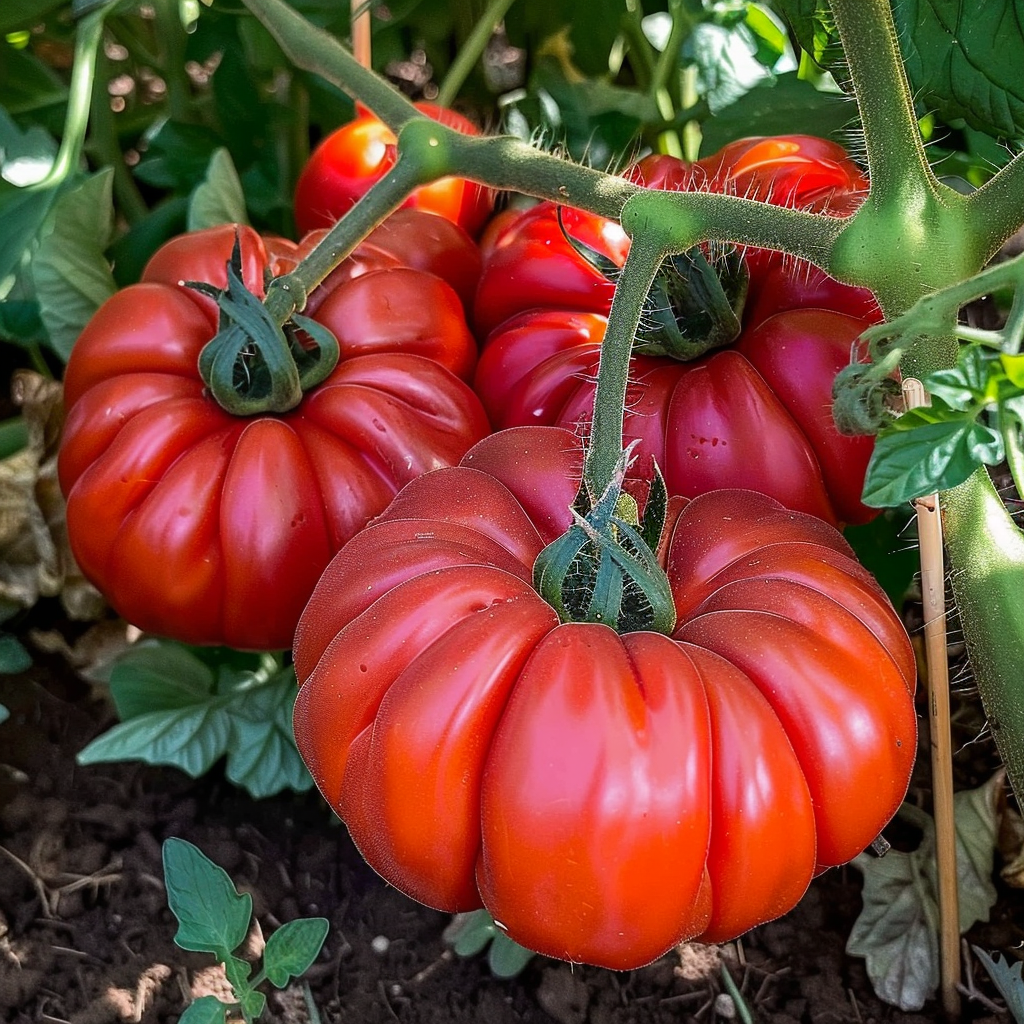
column 692, row 307
column 253, row 365
column 314, row 366
column 601, row 263
column 603, row 569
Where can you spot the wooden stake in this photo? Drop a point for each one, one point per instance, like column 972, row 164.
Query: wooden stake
column 361, row 49
column 933, row 596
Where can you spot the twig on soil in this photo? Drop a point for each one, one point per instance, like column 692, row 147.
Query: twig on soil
column 37, row 882
column 854, row 1004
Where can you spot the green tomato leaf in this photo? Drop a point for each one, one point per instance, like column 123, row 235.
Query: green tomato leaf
column 191, row 739
column 13, row 656
column 186, row 708
column 965, row 385
column 23, row 212
column 1007, row 979
column 212, row 916
column 71, row 273
column 25, row 156
column 897, row 930
column 205, row 1010
column 219, row 198
column 933, row 456
column 291, row 950
column 157, row 676
column 726, row 58
column 963, row 60
column 262, row 758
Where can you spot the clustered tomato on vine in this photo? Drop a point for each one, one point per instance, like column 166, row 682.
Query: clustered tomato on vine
column 353, row 157
column 756, row 413
column 605, row 793
column 213, row 528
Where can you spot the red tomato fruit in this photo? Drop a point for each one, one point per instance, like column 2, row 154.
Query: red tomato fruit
column 212, row 528
column 358, row 154
column 604, row 796
column 756, row 414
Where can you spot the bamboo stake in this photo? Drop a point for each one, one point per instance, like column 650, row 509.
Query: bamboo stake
column 933, row 596
column 361, row 48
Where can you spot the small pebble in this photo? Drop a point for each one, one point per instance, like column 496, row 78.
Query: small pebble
column 380, row 944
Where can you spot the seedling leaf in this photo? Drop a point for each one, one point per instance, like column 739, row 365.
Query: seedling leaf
column 291, row 950
column 205, row 1010
column 252, row 1004
column 1007, row 980
column 212, row 916
column 506, row 957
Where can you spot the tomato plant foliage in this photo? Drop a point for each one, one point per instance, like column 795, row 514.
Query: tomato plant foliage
column 694, row 783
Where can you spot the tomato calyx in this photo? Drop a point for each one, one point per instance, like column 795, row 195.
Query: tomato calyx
column 604, row 568
column 694, row 305
column 253, row 365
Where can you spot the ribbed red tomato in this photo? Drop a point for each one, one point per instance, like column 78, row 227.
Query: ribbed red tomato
column 355, row 156
column 604, row 796
column 213, row 528
column 756, row 414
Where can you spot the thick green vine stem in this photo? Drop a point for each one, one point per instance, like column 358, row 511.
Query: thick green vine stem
column 986, row 552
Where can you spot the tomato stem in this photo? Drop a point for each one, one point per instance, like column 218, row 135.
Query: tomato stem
column 470, row 51
column 88, row 37
column 288, row 293
column 312, row 49
column 604, row 451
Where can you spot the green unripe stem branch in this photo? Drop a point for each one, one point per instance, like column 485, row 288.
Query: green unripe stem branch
column 288, row 294
column 315, row 50
column 605, row 448
column 994, row 211
column 88, row 37
column 470, row 51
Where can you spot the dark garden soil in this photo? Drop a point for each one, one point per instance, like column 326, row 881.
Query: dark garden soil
column 86, row 935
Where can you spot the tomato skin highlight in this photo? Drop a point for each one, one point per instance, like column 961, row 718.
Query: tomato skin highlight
column 755, row 414
column 343, row 167
column 211, row 528
column 604, row 796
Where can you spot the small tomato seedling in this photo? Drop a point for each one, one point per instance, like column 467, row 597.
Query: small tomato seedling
column 213, row 917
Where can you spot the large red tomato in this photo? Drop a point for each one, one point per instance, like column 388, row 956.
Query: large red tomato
column 213, row 528
column 358, row 154
column 757, row 414
column 604, row 796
